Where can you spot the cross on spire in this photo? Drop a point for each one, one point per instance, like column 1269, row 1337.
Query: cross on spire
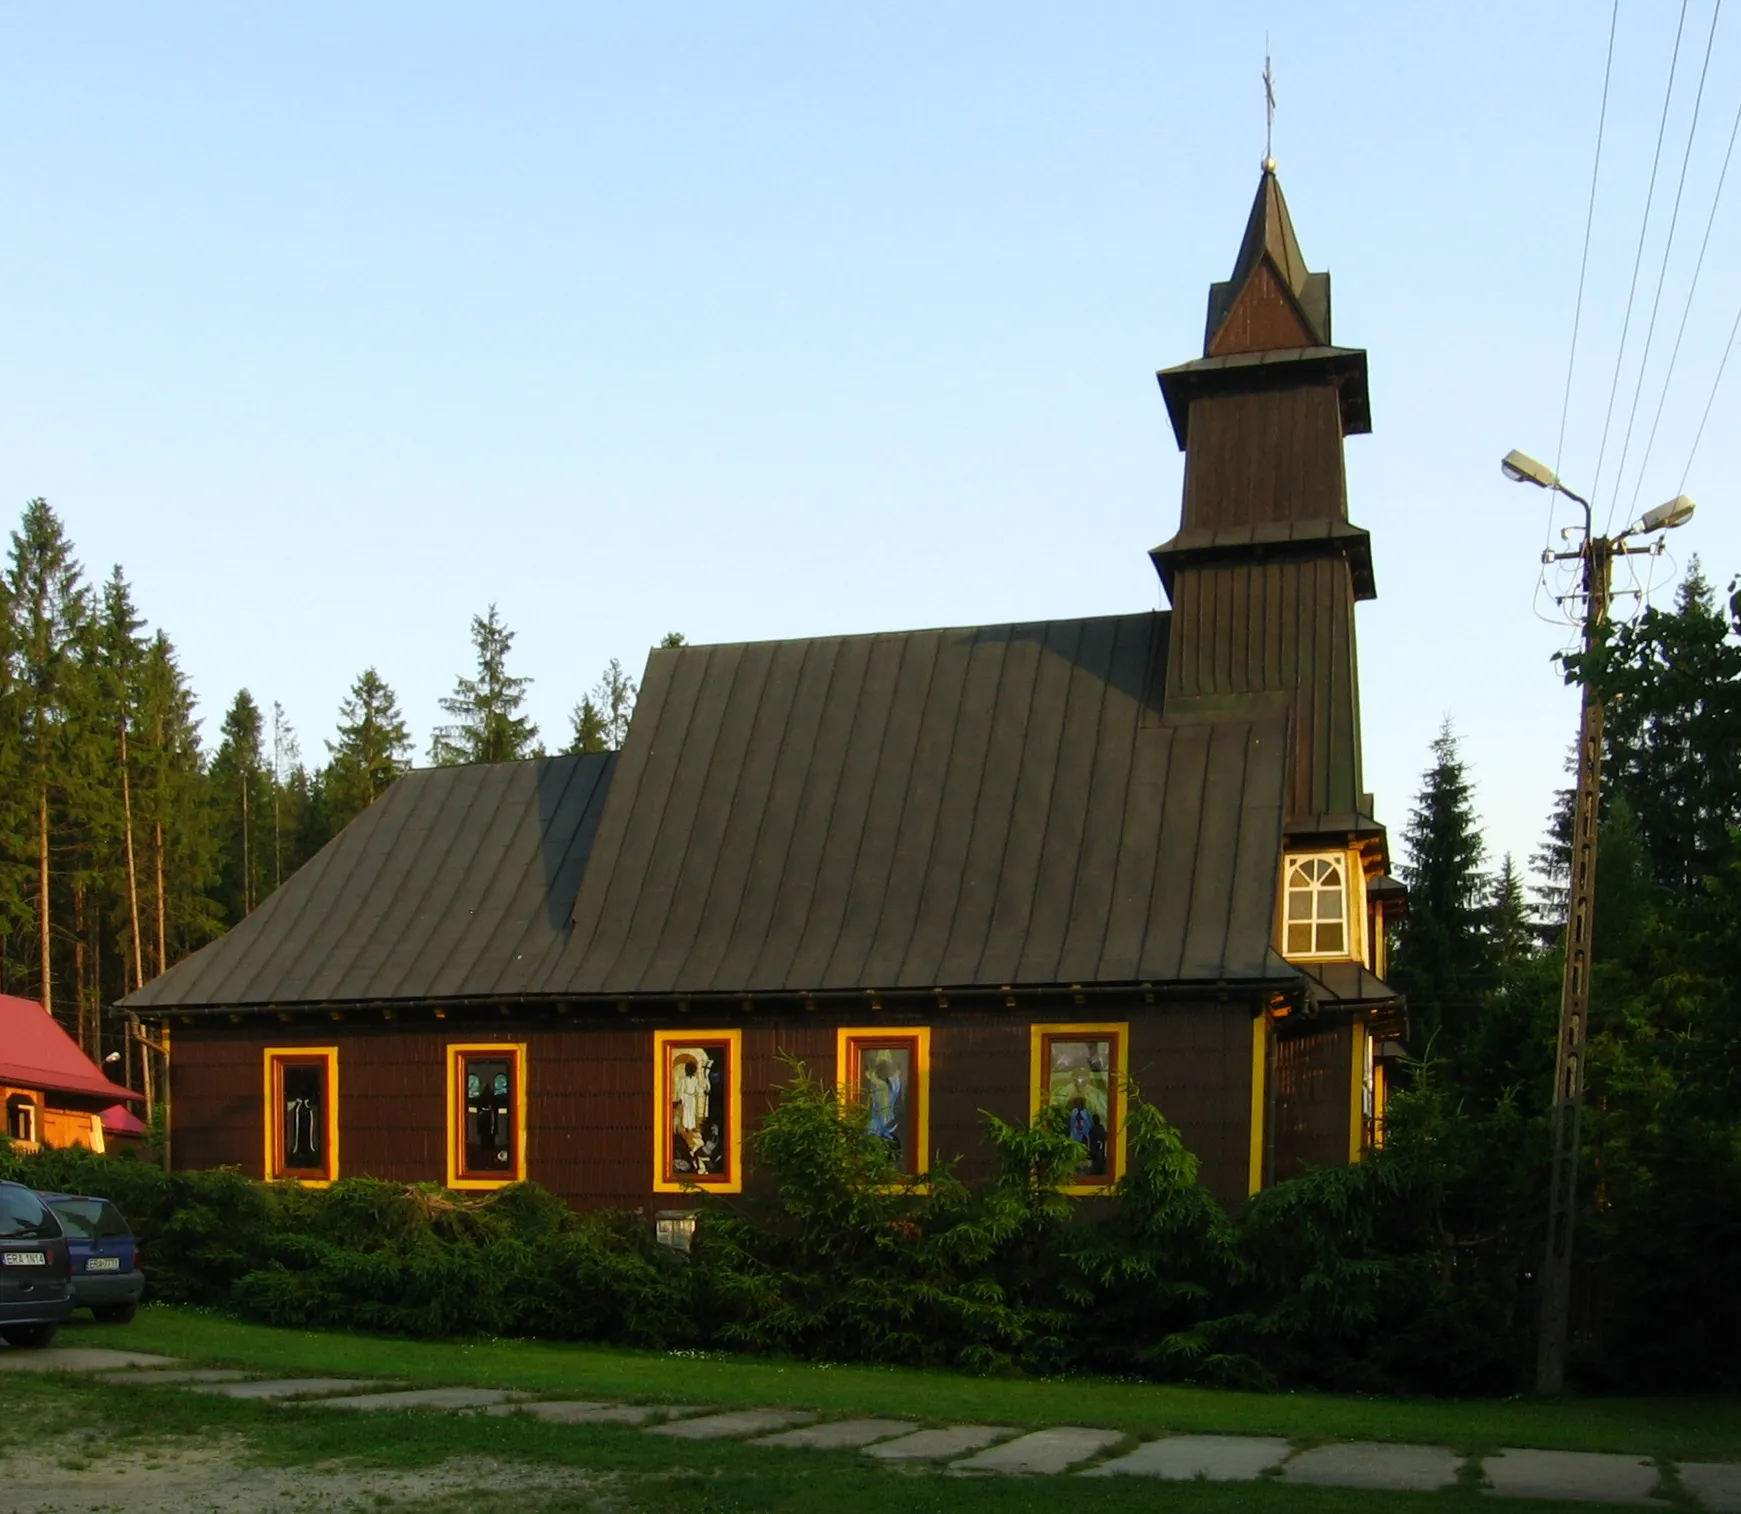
column 1269, row 101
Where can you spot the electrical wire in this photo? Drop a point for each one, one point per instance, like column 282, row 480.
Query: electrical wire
column 1584, row 260
column 1716, row 383
column 1687, row 310
column 1662, row 272
column 1638, row 258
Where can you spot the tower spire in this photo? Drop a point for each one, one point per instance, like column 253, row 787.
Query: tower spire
column 1272, row 300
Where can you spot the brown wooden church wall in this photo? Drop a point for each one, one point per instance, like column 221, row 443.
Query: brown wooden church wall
column 590, row 1088
column 1313, row 1095
column 1266, row 456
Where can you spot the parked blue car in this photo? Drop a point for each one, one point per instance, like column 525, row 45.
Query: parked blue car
column 34, row 1268
column 105, row 1259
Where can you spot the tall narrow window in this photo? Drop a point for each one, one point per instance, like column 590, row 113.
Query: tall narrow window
column 21, row 1117
column 302, row 1128
column 486, row 1100
column 1316, row 916
column 697, row 1110
column 887, row 1071
column 1079, row 1071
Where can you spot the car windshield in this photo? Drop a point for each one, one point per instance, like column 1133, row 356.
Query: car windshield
column 24, row 1217
column 90, row 1219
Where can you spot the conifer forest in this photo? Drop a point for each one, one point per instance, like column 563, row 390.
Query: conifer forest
column 127, row 840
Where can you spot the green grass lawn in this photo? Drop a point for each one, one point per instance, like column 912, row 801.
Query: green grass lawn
column 1679, row 1429
column 616, row 1470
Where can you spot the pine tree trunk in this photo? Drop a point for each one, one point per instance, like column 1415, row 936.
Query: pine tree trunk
column 132, row 872
column 247, row 861
column 162, row 933
column 80, row 997
column 42, row 897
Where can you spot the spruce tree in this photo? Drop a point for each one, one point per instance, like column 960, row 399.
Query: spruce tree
column 1443, row 953
column 122, row 653
column 589, row 728
column 15, row 811
column 240, row 796
column 1509, row 927
column 373, row 749
column 177, row 820
column 487, row 723
column 50, row 608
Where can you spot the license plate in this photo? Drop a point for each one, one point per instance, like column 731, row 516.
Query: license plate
column 25, row 1258
column 103, row 1264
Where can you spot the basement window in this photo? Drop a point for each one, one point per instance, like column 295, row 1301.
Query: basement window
column 1316, row 918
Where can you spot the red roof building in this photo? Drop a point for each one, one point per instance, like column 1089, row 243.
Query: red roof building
column 54, row 1094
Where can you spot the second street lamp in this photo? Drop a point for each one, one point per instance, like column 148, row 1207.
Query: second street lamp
column 1597, row 554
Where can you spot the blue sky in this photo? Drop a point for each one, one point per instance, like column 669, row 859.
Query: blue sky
column 335, row 323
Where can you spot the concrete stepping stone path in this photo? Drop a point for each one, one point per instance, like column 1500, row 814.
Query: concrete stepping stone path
column 577, row 1412
column 1184, row 1458
column 290, row 1387
column 79, row 1359
column 840, row 1434
column 427, row 1398
column 940, row 1445
column 1042, row 1453
column 1596, row 1476
column 1571, row 1476
column 733, row 1424
column 1372, row 1464
column 1717, row 1485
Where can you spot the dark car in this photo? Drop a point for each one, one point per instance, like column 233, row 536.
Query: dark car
column 35, row 1269
column 106, row 1277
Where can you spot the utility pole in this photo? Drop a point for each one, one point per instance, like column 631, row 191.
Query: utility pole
column 1596, row 554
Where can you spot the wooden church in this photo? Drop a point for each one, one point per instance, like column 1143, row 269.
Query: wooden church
column 988, row 868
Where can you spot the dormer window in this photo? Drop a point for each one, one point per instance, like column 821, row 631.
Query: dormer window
column 1316, row 918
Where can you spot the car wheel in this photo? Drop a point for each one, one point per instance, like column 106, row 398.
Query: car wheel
column 28, row 1337
column 114, row 1314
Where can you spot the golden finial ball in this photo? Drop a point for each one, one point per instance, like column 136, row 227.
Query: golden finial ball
column 1269, row 165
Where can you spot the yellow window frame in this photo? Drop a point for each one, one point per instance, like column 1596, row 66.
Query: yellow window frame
column 1118, row 1032
column 733, row 1179
column 273, row 1061
column 456, row 1052
column 846, row 1040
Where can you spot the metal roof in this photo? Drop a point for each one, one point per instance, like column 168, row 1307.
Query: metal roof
column 948, row 808
column 437, row 890
column 980, row 806
column 36, row 1053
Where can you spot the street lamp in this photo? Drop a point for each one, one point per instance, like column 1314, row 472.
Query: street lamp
column 1597, row 554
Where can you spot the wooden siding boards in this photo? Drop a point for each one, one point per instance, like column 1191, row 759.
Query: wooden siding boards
column 590, row 1090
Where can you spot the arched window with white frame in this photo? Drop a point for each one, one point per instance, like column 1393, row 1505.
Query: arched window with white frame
column 1316, row 919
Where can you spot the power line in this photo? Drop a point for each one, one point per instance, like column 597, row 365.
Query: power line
column 1662, row 272
column 1687, row 310
column 1638, row 257
column 1699, row 435
column 1584, row 261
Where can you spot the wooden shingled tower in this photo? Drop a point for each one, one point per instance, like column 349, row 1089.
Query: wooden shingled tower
column 1265, row 569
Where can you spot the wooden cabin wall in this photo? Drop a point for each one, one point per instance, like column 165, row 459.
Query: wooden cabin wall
column 590, row 1088
column 1313, row 1098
